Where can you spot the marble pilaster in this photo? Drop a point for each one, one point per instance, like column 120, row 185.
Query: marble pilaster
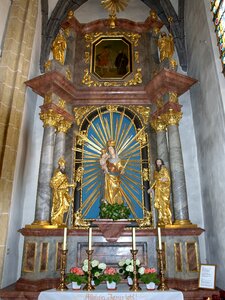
column 43, row 201
column 177, row 169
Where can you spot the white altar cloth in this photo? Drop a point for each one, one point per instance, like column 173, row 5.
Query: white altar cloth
column 101, row 293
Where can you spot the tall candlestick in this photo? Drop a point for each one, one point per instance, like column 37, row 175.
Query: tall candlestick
column 64, row 238
column 133, row 239
column 159, row 238
column 89, row 238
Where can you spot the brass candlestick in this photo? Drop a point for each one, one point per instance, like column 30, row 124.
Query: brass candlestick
column 162, row 286
column 62, row 286
column 89, row 286
column 135, row 287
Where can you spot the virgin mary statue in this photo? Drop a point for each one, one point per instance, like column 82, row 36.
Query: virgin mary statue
column 112, row 169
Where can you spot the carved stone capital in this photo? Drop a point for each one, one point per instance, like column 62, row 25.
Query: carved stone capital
column 63, row 125
column 50, row 117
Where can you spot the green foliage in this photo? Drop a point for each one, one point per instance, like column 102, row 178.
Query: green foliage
column 71, row 277
column 150, row 277
column 114, row 211
column 110, row 278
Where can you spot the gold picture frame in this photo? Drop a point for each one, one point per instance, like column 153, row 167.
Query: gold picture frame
column 207, row 277
column 112, row 59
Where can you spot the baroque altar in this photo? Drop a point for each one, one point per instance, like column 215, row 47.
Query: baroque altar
column 105, row 84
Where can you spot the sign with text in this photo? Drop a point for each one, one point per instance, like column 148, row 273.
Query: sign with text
column 207, row 277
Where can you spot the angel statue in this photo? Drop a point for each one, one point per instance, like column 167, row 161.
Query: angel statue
column 60, row 193
column 166, row 46
column 112, row 167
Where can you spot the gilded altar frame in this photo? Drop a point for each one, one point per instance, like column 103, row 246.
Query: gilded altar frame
column 112, row 59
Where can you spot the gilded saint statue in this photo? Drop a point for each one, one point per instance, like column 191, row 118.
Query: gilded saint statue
column 58, row 48
column 161, row 187
column 61, row 198
column 111, row 165
column 166, row 46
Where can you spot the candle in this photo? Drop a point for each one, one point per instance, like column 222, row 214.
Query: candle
column 89, row 237
column 133, row 239
column 64, row 238
column 159, row 237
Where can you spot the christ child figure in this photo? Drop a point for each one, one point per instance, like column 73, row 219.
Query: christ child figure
column 103, row 159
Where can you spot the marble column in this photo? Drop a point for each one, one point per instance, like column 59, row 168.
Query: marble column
column 162, row 148
column 179, row 191
column 43, row 201
column 60, row 147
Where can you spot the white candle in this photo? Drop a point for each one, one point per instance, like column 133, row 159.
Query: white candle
column 159, row 238
column 64, row 238
column 133, row 239
column 89, row 238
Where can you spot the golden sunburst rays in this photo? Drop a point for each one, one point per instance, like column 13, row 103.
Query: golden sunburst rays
column 114, row 6
column 105, row 126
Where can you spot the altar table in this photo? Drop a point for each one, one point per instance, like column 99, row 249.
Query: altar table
column 101, row 293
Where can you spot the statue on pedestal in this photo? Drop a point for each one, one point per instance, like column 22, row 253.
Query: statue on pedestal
column 161, row 187
column 166, row 46
column 61, row 198
column 58, row 48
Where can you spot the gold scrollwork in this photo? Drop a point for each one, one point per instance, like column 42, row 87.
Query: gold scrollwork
column 147, row 219
column 136, row 57
column 80, row 112
column 136, row 80
column 172, row 117
column 112, row 108
column 79, row 174
column 142, row 138
column 79, row 221
column 144, row 111
column 62, row 103
column 145, row 174
column 48, row 65
column 86, row 57
column 68, row 74
column 159, row 103
column 48, row 98
column 87, row 79
column 81, row 138
column 173, row 97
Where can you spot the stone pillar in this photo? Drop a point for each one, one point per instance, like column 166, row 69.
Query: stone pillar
column 172, row 119
column 43, row 201
column 162, row 148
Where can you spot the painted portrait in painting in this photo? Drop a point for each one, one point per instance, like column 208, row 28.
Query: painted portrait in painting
column 111, row 58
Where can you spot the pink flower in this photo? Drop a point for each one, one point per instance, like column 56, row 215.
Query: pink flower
column 77, row 271
column 110, row 271
column 150, row 270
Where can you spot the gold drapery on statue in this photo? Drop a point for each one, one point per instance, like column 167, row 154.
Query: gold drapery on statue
column 60, row 194
column 162, row 196
column 112, row 169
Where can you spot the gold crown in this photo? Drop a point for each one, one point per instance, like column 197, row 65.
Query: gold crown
column 103, row 151
column 111, row 143
column 61, row 162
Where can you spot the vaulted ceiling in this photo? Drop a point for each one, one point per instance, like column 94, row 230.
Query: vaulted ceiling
column 164, row 8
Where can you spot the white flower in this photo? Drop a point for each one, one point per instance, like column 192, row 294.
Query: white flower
column 138, row 262
column 85, row 262
column 141, row 270
column 94, row 263
column 128, row 261
column 85, row 268
column 130, row 268
column 102, row 266
column 121, row 263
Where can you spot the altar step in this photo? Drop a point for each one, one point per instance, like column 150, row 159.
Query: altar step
column 10, row 293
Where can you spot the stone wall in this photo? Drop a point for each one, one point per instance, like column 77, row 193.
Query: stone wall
column 208, row 114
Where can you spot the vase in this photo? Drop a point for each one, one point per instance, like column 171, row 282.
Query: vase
column 129, row 280
column 150, row 286
column 111, row 285
column 92, row 282
column 76, row 286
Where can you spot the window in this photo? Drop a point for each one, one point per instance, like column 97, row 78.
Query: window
column 218, row 9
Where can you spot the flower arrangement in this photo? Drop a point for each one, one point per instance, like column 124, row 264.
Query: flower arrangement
column 114, row 211
column 127, row 268
column 76, row 275
column 97, row 270
column 111, row 275
column 149, row 275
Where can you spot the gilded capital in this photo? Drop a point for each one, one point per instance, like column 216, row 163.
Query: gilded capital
column 158, row 124
column 63, row 125
column 172, row 117
column 50, row 118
